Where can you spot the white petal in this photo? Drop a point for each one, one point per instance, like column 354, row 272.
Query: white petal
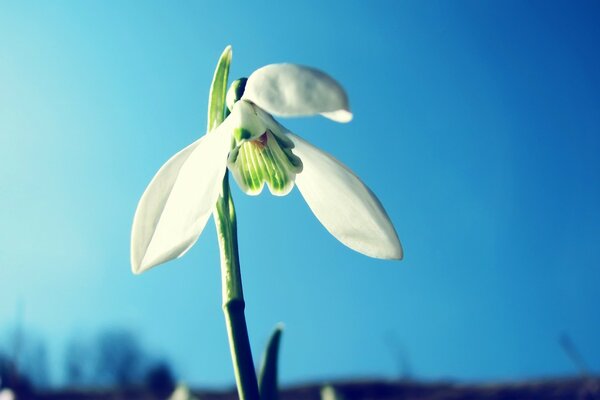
column 339, row 115
column 179, row 200
column 291, row 90
column 245, row 121
column 344, row 205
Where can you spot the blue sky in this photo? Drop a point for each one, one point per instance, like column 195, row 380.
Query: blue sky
column 477, row 124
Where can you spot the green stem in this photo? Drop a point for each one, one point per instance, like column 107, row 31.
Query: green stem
column 224, row 215
column 233, row 297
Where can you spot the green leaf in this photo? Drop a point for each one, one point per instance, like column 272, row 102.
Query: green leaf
column 267, row 381
column 218, row 90
column 328, row 392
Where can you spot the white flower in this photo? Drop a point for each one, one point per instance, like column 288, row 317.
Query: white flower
column 180, row 198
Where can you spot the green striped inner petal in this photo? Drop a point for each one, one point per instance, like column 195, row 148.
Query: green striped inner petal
column 267, row 159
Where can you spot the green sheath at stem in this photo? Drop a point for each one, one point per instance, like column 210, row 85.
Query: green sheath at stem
column 225, row 220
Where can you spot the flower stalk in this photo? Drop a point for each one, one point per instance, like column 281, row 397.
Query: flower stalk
column 231, row 278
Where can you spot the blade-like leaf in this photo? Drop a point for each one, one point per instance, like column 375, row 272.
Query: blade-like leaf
column 218, row 90
column 267, row 381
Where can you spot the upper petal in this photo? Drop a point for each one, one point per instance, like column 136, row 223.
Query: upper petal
column 293, row 90
column 344, row 205
column 179, row 200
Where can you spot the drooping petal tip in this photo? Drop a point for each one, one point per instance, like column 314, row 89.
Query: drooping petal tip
column 342, row 116
column 148, row 211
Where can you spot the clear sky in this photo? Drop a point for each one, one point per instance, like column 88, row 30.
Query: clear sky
column 477, row 124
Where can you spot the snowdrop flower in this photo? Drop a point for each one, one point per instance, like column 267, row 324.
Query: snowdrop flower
column 180, row 198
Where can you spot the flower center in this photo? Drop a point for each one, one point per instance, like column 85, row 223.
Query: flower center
column 266, row 159
column 261, row 141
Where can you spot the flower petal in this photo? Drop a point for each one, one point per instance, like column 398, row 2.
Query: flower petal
column 291, row 90
column 344, row 205
column 264, row 160
column 179, row 200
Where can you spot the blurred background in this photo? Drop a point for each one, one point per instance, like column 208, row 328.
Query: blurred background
column 477, row 124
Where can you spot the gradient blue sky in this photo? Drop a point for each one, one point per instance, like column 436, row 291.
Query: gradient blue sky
column 477, row 124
